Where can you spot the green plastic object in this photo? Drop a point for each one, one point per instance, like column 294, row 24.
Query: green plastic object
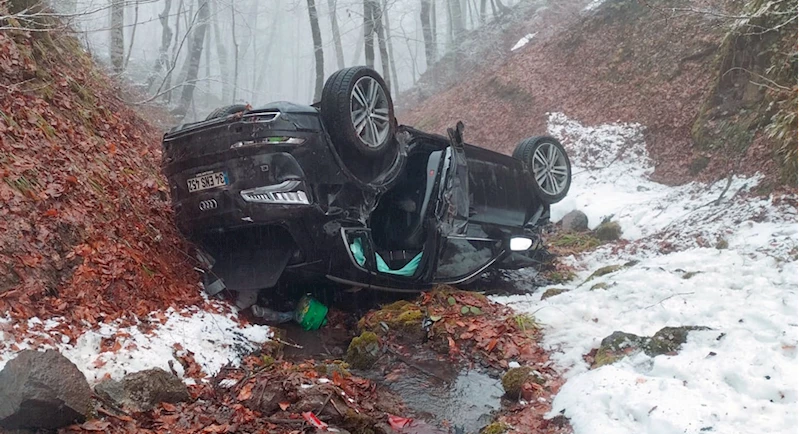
column 310, row 313
column 407, row 270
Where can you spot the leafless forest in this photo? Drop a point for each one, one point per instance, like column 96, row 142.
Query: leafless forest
column 193, row 55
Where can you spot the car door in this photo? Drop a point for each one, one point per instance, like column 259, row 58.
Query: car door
column 460, row 254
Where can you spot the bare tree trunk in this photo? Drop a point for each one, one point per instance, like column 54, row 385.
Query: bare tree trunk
column 356, row 58
column 427, row 33
column 368, row 33
column 390, row 48
column 168, row 79
column 265, row 56
column 377, row 18
column 457, row 19
column 221, row 53
column 235, row 52
column 117, row 48
column 448, row 4
column 166, row 37
column 207, row 48
column 133, row 32
column 195, row 55
column 331, row 6
column 319, row 57
column 434, row 26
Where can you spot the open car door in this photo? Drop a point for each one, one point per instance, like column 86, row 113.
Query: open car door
column 461, row 254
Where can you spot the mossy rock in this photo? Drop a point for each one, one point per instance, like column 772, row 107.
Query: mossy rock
column 575, row 242
column 515, row 378
column 560, row 276
column 495, row 428
column 336, row 367
column 608, row 231
column 363, row 351
column 600, row 285
column 722, row 244
column 669, row 340
column 551, row 292
column 358, row 423
column 617, row 346
column 604, row 271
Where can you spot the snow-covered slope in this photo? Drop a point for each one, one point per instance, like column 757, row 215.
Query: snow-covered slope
column 211, row 337
column 738, row 377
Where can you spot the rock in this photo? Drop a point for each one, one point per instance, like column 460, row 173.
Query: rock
column 514, row 380
column 690, row 274
column 574, row 221
column 669, row 340
column 609, row 231
column 363, row 351
column 42, row 390
column 604, row 270
column 551, row 292
column 616, row 346
column 600, row 285
column 143, row 390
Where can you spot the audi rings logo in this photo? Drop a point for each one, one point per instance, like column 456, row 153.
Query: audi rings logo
column 208, row 205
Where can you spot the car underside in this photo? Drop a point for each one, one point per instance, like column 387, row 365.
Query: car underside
column 293, row 192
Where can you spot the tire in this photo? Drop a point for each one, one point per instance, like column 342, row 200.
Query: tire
column 341, row 103
column 540, row 155
column 226, row 111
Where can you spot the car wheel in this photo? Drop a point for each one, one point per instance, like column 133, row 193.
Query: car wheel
column 549, row 166
column 226, row 110
column 358, row 113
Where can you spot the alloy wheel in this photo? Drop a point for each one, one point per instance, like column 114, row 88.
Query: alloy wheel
column 550, row 169
column 369, row 108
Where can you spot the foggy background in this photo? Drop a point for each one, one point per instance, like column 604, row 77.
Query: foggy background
column 257, row 51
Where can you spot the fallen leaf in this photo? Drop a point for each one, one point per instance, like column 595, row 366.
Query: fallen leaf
column 169, row 407
column 95, row 425
column 246, row 392
column 284, row 405
column 314, row 421
column 492, row 344
column 398, row 422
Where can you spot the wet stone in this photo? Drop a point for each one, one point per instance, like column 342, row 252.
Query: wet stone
column 617, row 346
column 363, row 351
column 669, row 340
column 42, row 390
column 609, row 231
column 143, row 390
column 551, row 292
column 574, row 221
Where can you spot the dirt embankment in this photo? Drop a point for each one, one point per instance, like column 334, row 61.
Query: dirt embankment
column 85, row 230
column 626, row 61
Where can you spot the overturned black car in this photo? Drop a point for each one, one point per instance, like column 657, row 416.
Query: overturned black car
column 338, row 191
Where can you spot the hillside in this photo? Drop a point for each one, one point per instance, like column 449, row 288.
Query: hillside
column 85, row 231
column 626, row 61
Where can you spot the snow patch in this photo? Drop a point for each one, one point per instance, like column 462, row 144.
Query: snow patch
column 523, row 41
column 214, row 339
column 738, row 377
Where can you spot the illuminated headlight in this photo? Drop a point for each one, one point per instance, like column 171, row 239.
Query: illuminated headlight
column 520, row 243
column 283, row 193
column 269, row 141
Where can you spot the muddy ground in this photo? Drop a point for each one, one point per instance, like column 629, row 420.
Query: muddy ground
column 429, row 364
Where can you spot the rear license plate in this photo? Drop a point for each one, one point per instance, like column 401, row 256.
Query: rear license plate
column 206, row 181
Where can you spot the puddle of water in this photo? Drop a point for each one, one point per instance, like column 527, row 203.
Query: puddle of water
column 465, row 402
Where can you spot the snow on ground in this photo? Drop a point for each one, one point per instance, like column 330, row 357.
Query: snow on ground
column 739, row 377
column 523, row 41
column 214, row 338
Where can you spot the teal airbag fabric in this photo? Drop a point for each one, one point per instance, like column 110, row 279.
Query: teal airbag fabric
column 407, row 270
